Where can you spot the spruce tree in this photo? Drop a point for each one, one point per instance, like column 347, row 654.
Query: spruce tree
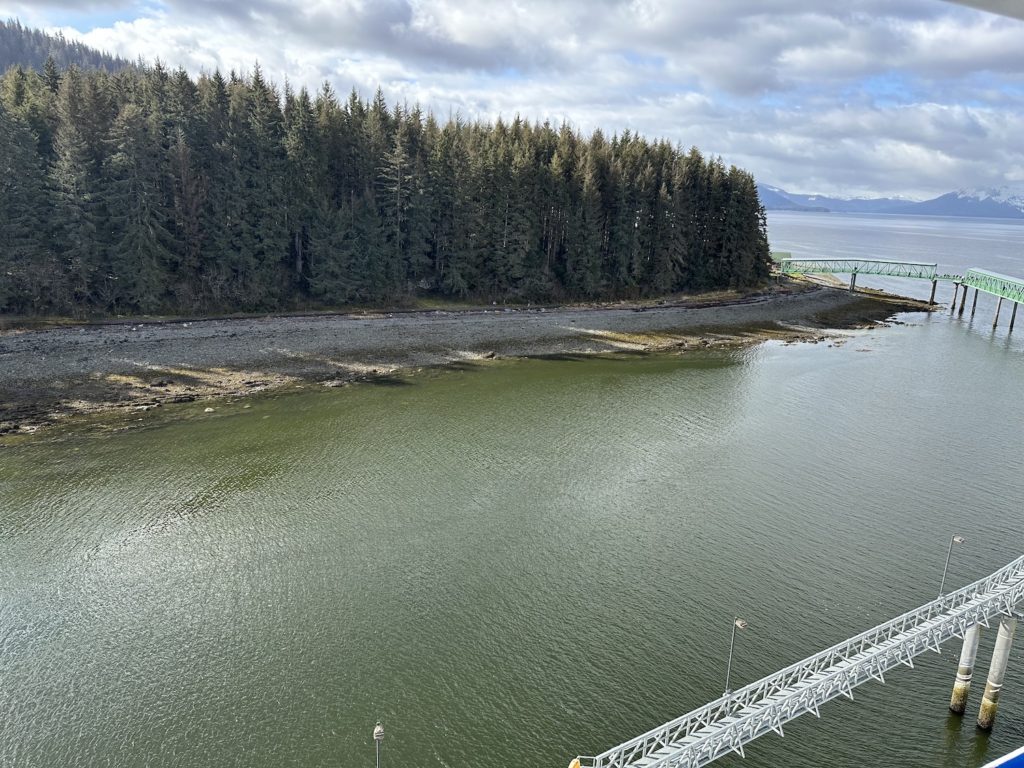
column 51, row 75
column 30, row 278
column 394, row 196
column 189, row 199
column 139, row 252
column 75, row 181
column 304, row 181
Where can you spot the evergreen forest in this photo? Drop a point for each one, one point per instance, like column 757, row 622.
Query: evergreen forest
column 26, row 47
column 145, row 190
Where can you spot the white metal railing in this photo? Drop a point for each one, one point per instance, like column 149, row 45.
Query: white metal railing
column 726, row 724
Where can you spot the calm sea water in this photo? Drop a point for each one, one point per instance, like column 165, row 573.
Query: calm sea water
column 512, row 563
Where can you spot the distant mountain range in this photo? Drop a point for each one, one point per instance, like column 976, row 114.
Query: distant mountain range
column 1006, row 202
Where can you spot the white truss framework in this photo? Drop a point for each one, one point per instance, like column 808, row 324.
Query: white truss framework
column 728, row 723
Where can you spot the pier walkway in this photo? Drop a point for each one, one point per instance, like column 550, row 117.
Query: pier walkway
column 915, row 269
column 981, row 280
column 1003, row 286
column 732, row 721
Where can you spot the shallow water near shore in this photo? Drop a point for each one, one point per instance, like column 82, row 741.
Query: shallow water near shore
column 513, row 562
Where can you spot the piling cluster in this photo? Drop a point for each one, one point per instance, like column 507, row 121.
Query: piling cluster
column 1015, row 293
column 996, row 672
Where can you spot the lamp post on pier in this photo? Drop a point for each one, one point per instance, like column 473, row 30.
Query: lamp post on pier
column 949, row 552
column 378, row 737
column 737, row 623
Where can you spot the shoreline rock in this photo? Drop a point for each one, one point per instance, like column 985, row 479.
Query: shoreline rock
column 50, row 375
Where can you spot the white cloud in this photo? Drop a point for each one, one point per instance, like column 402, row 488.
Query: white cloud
column 889, row 96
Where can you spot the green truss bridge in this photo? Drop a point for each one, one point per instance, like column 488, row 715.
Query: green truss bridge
column 916, row 269
column 981, row 280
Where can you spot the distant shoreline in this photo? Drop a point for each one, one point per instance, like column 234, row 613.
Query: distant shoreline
column 889, row 214
column 50, row 375
column 1003, row 202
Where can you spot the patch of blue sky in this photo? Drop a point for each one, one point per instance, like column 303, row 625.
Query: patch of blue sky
column 779, row 100
column 646, row 60
column 804, row 98
column 890, row 89
column 96, row 18
column 985, row 90
column 1014, row 93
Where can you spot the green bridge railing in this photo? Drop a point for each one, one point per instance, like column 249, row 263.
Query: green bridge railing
column 915, row 269
column 1011, row 288
column 1004, row 286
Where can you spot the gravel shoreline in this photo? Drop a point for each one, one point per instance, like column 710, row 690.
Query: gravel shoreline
column 48, row 375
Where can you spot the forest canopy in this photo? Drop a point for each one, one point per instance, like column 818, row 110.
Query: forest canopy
column 145, row 190
column 26, row 47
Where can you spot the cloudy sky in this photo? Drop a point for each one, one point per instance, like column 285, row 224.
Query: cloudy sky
column 909, row 97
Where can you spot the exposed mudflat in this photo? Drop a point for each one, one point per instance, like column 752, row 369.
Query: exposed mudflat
column 50, row 374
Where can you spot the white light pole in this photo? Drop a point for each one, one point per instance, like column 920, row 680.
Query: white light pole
column 378, row 737
column 737, row 623
column 949, row 552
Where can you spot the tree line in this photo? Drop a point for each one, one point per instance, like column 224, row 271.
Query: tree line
column 145, row 190
column 26, row 47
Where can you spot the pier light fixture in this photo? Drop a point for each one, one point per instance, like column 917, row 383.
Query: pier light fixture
column 954, row 540
column 378, row 737
column 737, row 623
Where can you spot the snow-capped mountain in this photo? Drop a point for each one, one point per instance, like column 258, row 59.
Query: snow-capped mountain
column 1003, row 202
column 852, row 204
column 777, row 199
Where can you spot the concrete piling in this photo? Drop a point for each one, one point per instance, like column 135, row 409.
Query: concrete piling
column 963, row 301
column 931, row 299
column 952, row 304
column 995, row 320
column 974, row 304
column 1013, row 315
column 965, row 670
column 996, row 673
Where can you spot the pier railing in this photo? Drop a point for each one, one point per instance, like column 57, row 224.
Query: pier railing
column 916, row 269
column 726, row 724
column 1004, row 286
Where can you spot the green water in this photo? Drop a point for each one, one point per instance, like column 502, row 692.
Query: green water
column 512, row 563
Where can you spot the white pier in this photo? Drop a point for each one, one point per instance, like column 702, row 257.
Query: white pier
column 730, row 722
